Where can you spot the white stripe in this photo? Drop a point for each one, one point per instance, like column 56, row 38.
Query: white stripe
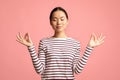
column 59, row 56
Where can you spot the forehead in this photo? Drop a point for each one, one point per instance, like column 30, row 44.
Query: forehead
column 58, row 14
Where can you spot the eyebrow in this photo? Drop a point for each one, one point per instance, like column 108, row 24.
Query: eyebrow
column 60, row 17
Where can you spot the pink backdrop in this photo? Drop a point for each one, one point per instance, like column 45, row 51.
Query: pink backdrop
column 85, row 17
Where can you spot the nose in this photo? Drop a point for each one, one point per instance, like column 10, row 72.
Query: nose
column 58, row 22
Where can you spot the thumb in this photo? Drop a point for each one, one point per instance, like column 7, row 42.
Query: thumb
column 29, row 38
column 92, row 36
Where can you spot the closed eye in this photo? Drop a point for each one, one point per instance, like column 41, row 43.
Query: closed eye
column 62, row 19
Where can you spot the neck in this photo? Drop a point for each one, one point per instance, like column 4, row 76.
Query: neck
column 60, row 35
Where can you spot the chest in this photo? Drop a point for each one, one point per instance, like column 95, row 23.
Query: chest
column 60, row 52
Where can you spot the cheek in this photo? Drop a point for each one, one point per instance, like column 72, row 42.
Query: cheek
column 65, row 23
column 53, row 23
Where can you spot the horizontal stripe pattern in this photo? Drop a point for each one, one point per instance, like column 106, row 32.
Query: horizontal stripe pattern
column 58, row 58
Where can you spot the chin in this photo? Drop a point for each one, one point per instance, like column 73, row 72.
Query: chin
column 60, row 30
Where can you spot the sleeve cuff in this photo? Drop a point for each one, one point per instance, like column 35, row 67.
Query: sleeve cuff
column 31, row 47
column 90, row 48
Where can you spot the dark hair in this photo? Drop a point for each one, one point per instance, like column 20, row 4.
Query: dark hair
column 56, row 9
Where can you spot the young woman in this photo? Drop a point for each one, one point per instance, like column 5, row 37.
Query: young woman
column 58, row 56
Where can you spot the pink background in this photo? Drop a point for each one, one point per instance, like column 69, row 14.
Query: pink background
column 85, row 17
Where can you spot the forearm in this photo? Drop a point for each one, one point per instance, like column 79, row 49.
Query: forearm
column 81, row 62
column 38, row 65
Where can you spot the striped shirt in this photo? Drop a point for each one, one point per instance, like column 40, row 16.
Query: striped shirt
column 58, row 58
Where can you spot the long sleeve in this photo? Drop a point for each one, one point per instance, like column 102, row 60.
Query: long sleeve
column 79, row 63
column 38, row 60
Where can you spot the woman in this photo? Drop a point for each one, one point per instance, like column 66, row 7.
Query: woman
column 58, row 56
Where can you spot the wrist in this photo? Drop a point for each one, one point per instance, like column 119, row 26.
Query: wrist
column 90, row 46
column 30, row 45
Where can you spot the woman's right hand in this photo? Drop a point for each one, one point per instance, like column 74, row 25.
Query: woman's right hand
column 26, row 40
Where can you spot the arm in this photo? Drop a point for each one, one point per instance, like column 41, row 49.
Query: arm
column 80, row 63
column 38, row 60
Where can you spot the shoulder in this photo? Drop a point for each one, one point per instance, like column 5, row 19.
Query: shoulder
column 45, row 40
column 75, row 40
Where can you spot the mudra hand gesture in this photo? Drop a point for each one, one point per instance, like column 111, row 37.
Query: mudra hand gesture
column 26, row 40
column 96, row 41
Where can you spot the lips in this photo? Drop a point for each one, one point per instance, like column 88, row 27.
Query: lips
column 58, row 27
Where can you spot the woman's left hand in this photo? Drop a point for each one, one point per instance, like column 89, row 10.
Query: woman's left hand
column 96, row 41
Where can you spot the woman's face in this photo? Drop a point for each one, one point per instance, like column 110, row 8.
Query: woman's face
column 59, row 21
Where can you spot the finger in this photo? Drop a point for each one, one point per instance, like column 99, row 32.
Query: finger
column 29, row 37
column 95, row 37
column 101, row 35
column 20, row 36
column 102, row 38
column 20, row 41
column 26, row 36
column 101, row 42
column 99, row 38
column 91, row 37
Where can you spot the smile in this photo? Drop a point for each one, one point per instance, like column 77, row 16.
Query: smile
column 58, row 27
